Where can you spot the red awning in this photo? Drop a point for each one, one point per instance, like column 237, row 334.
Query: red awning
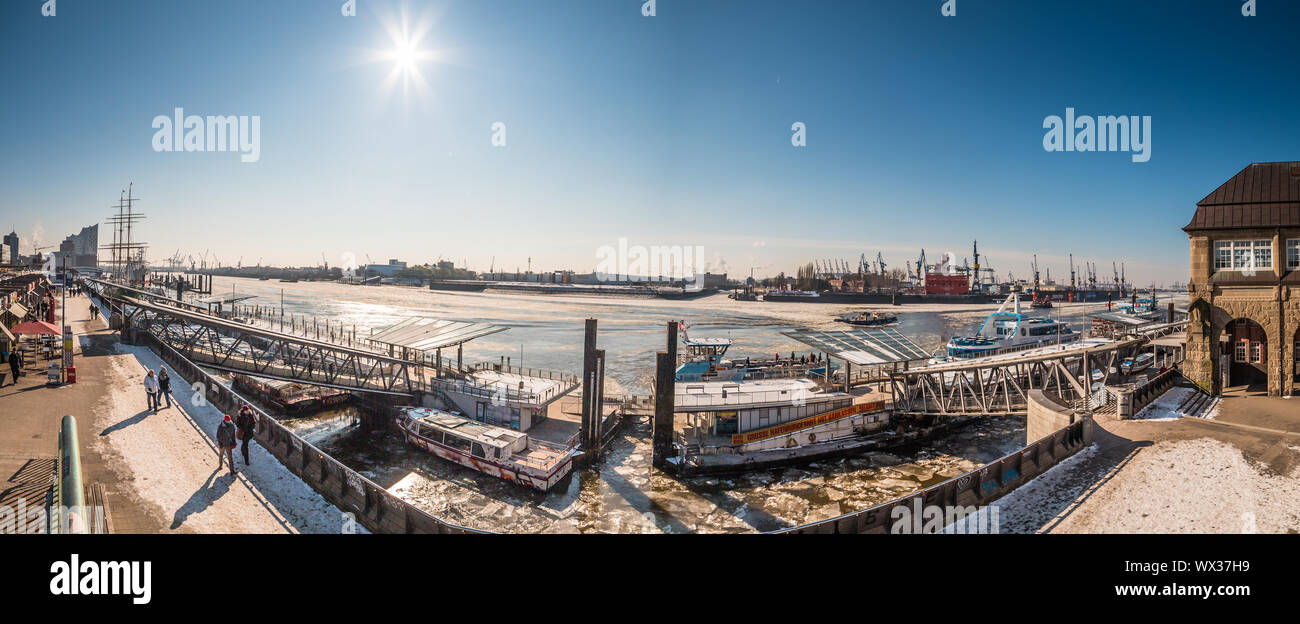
column 37, row 328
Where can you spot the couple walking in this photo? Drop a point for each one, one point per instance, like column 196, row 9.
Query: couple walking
column 157, row 388
column 242, row 427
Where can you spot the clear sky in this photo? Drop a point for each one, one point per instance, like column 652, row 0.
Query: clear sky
column 922, row 130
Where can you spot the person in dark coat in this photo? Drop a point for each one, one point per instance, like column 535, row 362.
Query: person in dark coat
column 164, row 385
column 226, row 444
column 247, row 428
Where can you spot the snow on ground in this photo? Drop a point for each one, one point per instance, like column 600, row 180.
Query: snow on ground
column 1190, row 486
column 1166, row 407
column 1035, row 503
column 171, row 458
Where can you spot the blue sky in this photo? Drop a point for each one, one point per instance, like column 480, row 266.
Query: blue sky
column 922, row 131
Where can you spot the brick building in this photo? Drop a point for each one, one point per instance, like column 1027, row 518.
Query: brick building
column 1244, row 293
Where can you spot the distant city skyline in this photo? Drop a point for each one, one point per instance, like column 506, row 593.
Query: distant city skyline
column 490, row 133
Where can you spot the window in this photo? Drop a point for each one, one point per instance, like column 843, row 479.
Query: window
column 457, row 442
column 1239, row 354
column 1243, row 255
column 1256, row 352
column 1222, row 256
column 1293, row 253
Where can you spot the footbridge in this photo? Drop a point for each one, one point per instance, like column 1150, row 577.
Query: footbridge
column 230, row 346
column 1001, row 385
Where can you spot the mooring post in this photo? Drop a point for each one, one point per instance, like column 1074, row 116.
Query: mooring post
column 662, row 425
column 590, row 407
column 662, row 434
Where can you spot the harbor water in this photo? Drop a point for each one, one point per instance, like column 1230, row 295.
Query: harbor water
column 622, row 493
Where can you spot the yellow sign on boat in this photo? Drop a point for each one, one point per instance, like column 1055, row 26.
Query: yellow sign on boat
column 804, row 423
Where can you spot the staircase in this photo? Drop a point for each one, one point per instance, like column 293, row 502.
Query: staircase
column 1197, row 404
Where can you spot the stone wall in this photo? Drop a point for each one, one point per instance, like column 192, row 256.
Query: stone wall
column 1045, row 416
column 1215, row 301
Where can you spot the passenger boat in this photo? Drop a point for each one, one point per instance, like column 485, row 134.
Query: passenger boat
column 288, row 397
column 868, row 318
column 1005, row 331
column 1139, row 363
column 729, row 427
column 494, row 451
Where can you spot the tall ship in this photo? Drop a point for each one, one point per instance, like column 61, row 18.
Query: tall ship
column 1005, row 331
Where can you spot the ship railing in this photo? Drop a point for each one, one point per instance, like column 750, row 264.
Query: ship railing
column 499, row 390
column 684, row 397
column 540, row 373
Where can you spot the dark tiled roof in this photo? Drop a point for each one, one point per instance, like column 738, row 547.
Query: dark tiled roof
column 1259, row 196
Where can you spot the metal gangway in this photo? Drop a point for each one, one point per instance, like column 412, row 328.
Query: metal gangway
column 230, row 346
column 1001, row 385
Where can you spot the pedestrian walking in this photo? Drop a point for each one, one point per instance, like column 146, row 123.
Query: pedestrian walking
column 16, row 363
column 164, row 385
column 151, row 387
column 247, row 424
column 226, row 444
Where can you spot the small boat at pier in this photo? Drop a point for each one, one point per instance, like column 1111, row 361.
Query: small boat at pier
column 494, row 451
column 288, row 397
column 1138, row 363
column 871, row 319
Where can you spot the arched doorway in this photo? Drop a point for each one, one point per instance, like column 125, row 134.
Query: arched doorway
column 1295, row 357
column 1247, row 353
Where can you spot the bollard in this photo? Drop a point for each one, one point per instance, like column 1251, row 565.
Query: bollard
column 71, row 496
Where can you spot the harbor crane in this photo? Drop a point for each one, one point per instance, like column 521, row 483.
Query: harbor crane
column 1035, row 267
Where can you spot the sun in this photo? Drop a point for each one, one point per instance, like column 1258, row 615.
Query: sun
column 407, row 54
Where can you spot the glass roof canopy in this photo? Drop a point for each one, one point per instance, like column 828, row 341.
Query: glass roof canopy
column 863, row 347
column 425, row 334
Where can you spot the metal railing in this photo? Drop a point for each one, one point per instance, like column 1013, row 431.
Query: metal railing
column 309, row 463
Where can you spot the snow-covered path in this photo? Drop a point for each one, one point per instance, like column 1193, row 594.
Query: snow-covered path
column 170, row 458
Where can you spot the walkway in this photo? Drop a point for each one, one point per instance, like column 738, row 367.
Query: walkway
column 1237, row 473
column 159, row 470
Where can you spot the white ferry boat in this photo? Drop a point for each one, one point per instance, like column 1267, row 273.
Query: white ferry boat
column 494, row 451
column 1136, row 364
column 1005, row 331
column 724, row 427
